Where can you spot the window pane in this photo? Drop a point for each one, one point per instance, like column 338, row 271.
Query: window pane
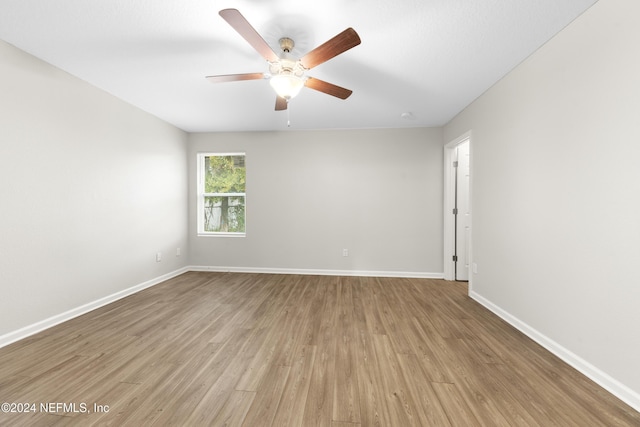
column 224, row 214
column 224, row 174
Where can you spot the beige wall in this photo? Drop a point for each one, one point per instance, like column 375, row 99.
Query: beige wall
column 556, row 193
column 90, row 189
column 377, row 193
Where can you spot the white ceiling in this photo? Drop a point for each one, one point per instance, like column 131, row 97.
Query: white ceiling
column 427, row 57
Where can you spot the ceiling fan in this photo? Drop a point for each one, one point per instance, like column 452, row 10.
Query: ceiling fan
column 287, row 75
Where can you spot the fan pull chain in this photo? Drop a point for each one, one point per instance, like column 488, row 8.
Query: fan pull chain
column 288, row 114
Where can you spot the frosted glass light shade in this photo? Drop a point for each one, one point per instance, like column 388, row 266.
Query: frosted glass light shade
column 286, row 86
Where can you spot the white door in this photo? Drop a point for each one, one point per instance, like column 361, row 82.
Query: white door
column 462, row 212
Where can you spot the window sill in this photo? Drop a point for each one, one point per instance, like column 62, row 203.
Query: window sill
column 222, row 234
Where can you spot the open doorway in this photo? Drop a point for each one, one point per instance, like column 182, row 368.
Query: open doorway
column 457, row 209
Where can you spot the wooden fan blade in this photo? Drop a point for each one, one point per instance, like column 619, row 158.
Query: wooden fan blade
column 331, row 48
column 328, row 88
column 281, row 103
column 242, row 26
column 235, row 77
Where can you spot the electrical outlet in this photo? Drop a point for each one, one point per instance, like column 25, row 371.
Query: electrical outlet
column 178, row 252
column 345, row 252
column 474, row 267
column 158, row 256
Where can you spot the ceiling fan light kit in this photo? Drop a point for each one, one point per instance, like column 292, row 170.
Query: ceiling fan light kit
column 286, row 86
column 287, row 75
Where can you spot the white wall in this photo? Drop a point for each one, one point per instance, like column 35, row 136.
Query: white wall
column 90, row 189
column 556, row 194
column 377, row 193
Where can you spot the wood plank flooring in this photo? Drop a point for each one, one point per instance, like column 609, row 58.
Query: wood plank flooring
column 229, row 349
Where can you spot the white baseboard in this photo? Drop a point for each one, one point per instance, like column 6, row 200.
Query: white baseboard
column 615, row 387
column 22, row 333
column 318, row 272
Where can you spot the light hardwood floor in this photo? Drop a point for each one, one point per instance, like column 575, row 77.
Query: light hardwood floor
column 285, row 350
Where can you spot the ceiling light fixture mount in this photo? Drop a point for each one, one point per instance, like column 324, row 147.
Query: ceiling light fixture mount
column 286, row 44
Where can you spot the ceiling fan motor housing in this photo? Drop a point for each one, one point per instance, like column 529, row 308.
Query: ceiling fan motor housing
column 288, row 66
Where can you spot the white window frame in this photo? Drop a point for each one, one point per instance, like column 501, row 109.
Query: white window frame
column 201, row 195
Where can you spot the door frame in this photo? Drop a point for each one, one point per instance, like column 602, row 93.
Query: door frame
column 449, row 204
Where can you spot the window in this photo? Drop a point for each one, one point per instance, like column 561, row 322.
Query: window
column 221, row 194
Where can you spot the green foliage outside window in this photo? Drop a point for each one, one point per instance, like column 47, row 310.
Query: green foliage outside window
column 224, row 199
